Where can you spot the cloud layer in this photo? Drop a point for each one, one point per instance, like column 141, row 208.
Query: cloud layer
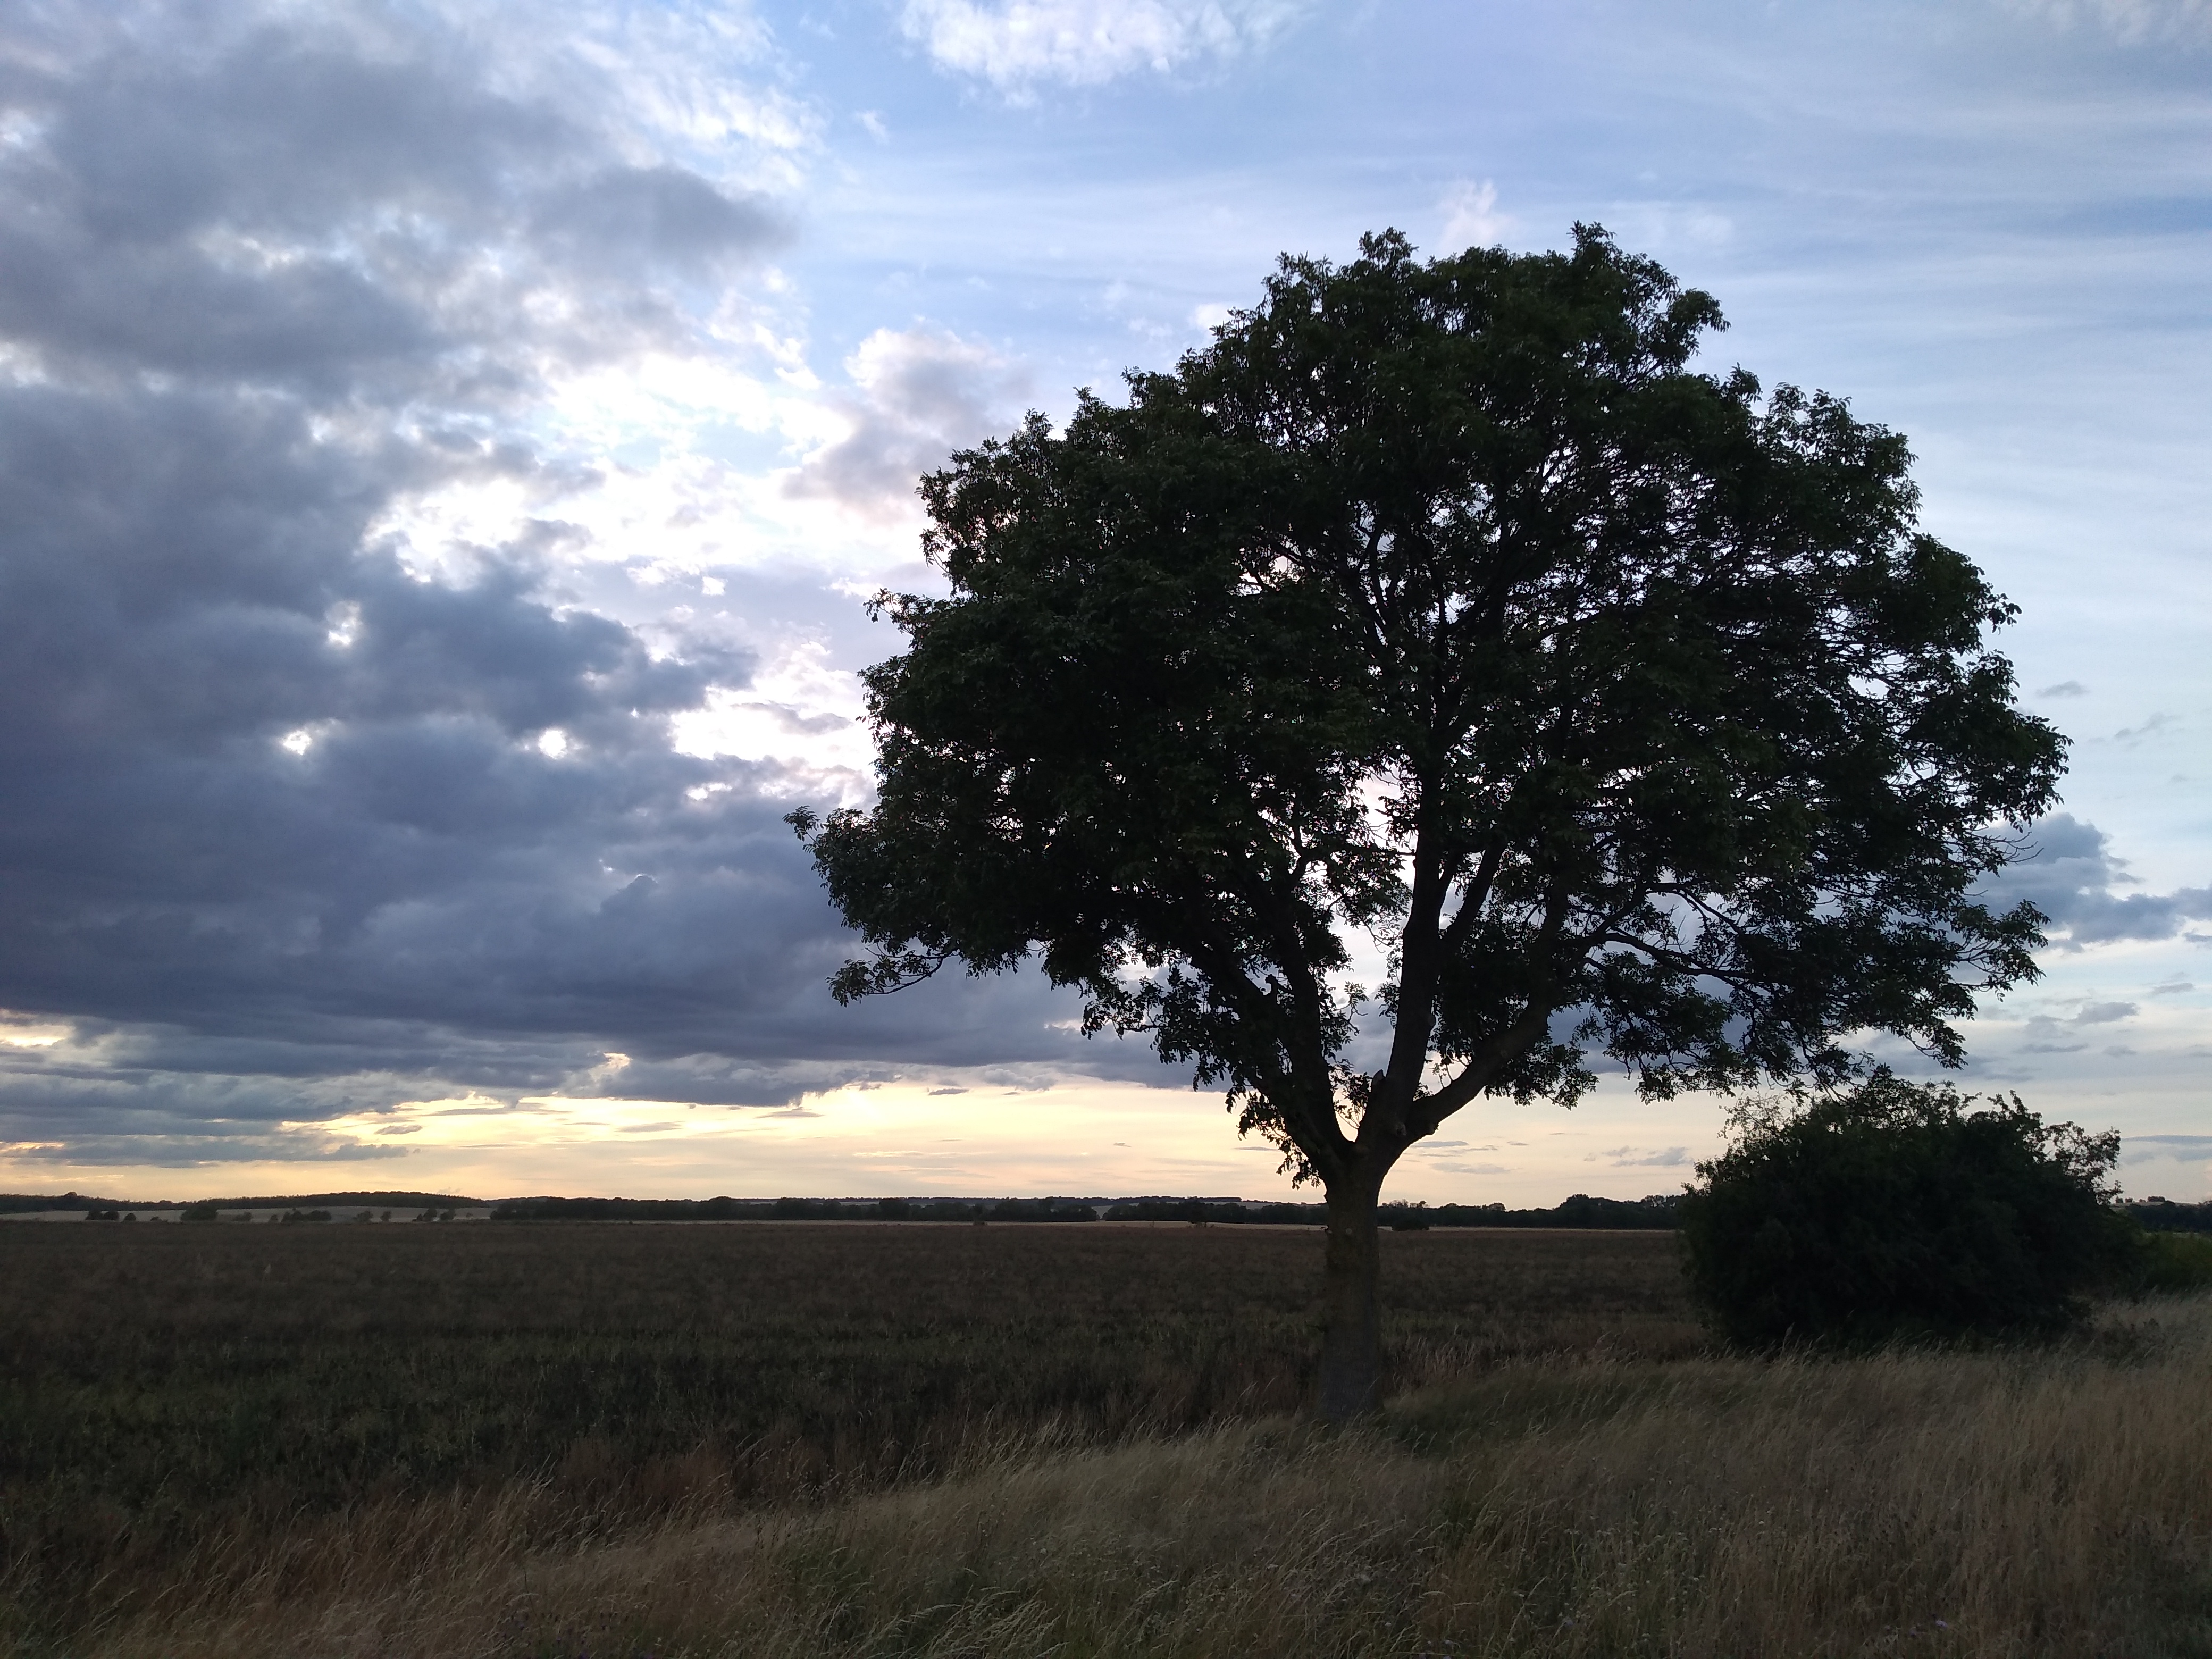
column 428, row 560
column 1017, row 43
column 917, row 395
column 315, row 805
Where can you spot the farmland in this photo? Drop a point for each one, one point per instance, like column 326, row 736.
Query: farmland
column 884, row 1439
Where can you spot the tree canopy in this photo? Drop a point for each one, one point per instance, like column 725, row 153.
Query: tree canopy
column 1624, row 705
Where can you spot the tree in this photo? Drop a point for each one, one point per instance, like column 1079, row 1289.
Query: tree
column 1898, row 1209
column 1625, row 708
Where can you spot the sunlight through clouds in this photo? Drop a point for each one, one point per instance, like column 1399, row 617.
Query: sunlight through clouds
column 797, row 711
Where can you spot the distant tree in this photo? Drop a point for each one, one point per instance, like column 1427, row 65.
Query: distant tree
column 1897, row 1209
column 1446, row 603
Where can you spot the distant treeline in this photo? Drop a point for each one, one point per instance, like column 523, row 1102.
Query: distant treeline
column 2160, row 1215
column 333, row 1200
column 1580, row 1211
column 25, row 1203
column 797, row 1209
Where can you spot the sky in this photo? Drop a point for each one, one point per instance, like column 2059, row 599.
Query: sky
column 446, row 449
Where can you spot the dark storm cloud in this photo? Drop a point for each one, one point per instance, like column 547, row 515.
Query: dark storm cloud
column 660, row 216
column 2073, row 877
column 288, row 205
column 286, row 838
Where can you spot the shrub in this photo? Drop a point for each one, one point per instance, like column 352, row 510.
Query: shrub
column 1894, row 1210
column 2174, row 1261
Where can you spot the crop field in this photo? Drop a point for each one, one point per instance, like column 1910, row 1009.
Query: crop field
column 872, row 1440
column 157, row 1384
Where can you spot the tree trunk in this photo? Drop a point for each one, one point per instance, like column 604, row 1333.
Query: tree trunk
column 1352, row 1340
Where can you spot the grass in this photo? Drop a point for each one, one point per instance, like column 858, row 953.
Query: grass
column 1549, row 1483
column 159, row 1387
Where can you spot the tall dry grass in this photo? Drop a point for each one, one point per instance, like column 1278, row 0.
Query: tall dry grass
column 175, row 1396
column 2001, row 1503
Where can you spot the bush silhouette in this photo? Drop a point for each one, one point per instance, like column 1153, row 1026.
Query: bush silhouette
column 1893, row 1210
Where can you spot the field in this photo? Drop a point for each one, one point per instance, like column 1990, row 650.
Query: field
column 870, row 1440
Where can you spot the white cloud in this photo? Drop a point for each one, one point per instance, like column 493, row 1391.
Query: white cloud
column 798, row 712
column 1471, row 216
column 1084, row 42
column 917, row 395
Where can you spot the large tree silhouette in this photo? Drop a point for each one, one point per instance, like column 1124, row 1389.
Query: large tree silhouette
column 1625, row 706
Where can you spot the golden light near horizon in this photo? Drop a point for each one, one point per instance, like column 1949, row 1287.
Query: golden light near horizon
column 951, row 1137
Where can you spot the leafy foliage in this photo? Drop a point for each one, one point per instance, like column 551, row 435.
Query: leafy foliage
column 1896, row 1209
column 1627, row 706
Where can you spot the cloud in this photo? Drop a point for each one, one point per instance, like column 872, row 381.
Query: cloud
column 345, row 770
column 2132, row 737
column 2070, row 875
column 2104, row 1013
column 2064, row 689
column 1017, row 43
column 915, row 396
column 2185, row 1149
column 274, row 206
column 2131, row 21
column 1471, row 216
column 2047, row 1032
column 1642, row 1157
column 623, row 217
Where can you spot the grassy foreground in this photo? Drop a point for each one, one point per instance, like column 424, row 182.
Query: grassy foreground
column 1610, row 1490
column 181, row 1406
column 1998, row 1504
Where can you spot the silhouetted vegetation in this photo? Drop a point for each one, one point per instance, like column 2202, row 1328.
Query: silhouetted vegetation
column 1580, row 1211
column 28, row 1203
column 2160, row 1215
column 798, row 1209
column 2172, row 1262
column 1449, row 603
column 1898, row 1209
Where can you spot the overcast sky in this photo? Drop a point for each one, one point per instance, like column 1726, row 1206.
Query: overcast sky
column 444, row 449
